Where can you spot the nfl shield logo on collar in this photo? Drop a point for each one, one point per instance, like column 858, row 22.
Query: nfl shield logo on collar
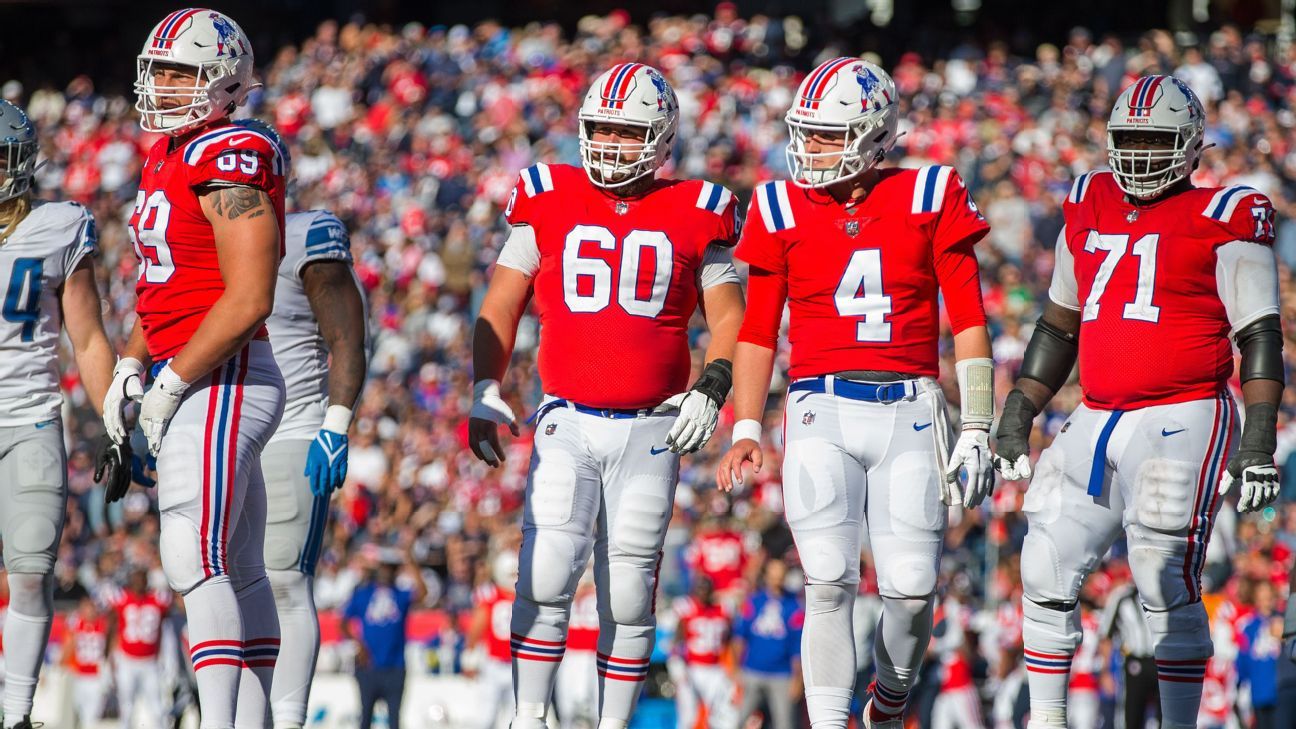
column 622, row 207
column 1131, row 216
column 852, row 228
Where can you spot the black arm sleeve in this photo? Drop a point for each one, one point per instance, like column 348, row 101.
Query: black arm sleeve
column 1261, row 344
column 1050, row 355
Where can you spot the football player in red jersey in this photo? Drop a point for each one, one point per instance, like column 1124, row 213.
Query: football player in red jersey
column 617, row 261
column 861, row 255
column 208, row 230
column 1152, row 277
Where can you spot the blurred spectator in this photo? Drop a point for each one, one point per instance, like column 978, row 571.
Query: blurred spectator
column 382, row 608
column 767, row 636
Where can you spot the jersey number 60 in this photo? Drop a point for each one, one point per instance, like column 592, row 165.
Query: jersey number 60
column 587, row 282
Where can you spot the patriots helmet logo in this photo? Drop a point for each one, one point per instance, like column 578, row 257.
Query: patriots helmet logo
column 665, row 98
column 227, row 38
column 870, row 88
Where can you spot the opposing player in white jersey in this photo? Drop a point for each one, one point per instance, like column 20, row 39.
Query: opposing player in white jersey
column 47, row 252
column 317, row 331
column 617, row 261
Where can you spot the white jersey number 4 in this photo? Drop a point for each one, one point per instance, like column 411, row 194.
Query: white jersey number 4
column 860, row 294
column 1145, row 248
column 598, row 275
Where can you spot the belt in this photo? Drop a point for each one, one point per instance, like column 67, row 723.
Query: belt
column 888, row 392
column 611, row 413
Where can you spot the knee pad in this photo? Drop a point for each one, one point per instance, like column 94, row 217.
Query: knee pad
column 548, row 566
column 825, row 559
column 31, row 594
column 642, row 515
column 1053, row 627
column 907, row 576
column 632, row 587
column 39, row 503
column 181, row 551
column 1163, row 494
column 1181, row 633
column 1041, row 570
column 292, row 589
column 1157, row 564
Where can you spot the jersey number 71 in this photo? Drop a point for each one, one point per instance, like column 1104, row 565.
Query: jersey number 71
column 1116, row 246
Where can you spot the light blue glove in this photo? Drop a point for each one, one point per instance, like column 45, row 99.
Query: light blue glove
column 326, row 463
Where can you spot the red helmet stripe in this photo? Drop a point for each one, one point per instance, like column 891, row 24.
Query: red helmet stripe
column 623, row 83
column 819, row 80
column 611, row 81
column 172, row 28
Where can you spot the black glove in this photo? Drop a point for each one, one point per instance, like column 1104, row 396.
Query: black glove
column 1012, row 442
column 113, row 469
column 1253, row 461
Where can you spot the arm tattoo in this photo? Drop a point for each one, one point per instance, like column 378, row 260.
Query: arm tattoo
column 234, row 202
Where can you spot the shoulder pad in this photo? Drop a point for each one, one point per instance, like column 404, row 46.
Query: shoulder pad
column 537, row 179
column 929, row 188
column 1081, row 186
column 207, row 146
column 713, row 197
column 775, row 206
column 1225, row 201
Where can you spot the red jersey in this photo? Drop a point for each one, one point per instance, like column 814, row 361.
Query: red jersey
column 139, row 621
column 861, row 281
column 4, row 608
column 702, row 630
column 617, row 281
column 89, row 644
column 583, row 628
column 498, row 603
column 179, row 275
column 720, row 556
column 1146, row 285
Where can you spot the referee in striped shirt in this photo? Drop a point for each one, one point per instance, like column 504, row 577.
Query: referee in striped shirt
column 1122, row 619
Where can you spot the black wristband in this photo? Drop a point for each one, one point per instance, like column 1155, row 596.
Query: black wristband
column 1261, row 343
column 1260, row 432
column 1050, row 355
column 716, row 380
column 1018, row 413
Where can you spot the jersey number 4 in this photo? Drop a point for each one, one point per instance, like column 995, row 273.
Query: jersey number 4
column 152, row 215
column 1145, row 249
column 859, row 293
column 22, row 299
column 588, row 282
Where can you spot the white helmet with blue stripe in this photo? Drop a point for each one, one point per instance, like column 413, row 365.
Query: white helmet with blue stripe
column 633, row 95
column 1145, row 165
column 212, row 47
column 18, row 139
column 847, row 97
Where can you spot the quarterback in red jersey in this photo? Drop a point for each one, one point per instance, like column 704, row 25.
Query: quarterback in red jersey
column 861, row 256
column 1152, row 277
column 208, row 229
column 617, row 261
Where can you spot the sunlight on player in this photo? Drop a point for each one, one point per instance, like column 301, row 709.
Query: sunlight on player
column 617, row 260
column 47, row 252
column 208, row 229
column 1151, row 276
column 860, row 255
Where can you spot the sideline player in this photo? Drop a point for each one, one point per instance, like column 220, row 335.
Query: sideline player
column 617, row 260
column 1152, row 277
column 85, row 653
column 135, row 636
column 317, row 331
column 208, row 230
column 47, row 252
column 701, row 637
column 861, row 255
column 488, row 639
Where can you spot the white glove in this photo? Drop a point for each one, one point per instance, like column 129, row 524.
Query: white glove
column 1260, row 486
column 695, row 423
column 971, row 452
column 1018, row 470
column 159, row 406
column 126, row 386
column 488, row 405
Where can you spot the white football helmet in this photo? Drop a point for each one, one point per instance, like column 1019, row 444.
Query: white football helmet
column 629, row 94
column 1155, row 104
column 218, row 51
column 849, row 97
column 18, row 141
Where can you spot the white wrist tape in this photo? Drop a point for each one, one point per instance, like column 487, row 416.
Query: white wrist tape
column 747, row 430
column 337, row 419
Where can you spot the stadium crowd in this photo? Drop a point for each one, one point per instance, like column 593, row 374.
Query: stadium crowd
column 413, row 136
